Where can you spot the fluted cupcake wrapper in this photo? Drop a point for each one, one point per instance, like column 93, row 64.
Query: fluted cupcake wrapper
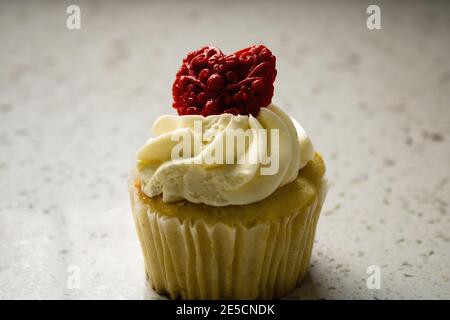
column 193, row 260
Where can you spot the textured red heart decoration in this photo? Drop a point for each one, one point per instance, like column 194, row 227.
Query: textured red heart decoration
column 210, row 82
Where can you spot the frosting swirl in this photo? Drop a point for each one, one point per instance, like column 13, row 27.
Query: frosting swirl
column 250, row 177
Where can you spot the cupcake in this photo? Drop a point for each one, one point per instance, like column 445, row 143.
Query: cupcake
column 226, row 195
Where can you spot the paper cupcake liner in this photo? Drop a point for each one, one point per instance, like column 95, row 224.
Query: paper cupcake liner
column 193, row 260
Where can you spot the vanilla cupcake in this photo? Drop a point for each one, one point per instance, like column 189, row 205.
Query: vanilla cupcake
column 218, row 217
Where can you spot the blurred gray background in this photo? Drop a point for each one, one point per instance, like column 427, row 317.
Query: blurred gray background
column 76, row 104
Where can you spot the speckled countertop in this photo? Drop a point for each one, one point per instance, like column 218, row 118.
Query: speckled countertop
column 76, row 105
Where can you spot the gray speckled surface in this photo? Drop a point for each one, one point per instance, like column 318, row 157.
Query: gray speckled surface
column 75, row 105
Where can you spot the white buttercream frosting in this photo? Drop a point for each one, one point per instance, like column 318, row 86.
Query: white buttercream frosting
column 239, row 177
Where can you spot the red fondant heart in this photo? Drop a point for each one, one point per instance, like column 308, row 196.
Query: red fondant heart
column 210, row 82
